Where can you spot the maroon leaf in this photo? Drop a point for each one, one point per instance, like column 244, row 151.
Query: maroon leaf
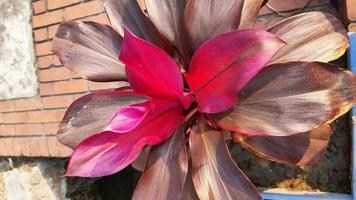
column 301, row 149
column 90, row 114
column 140, row 162
column 206, row 19
column 291, row 98
column 312, row 36
column 107, row 152
column 165, row 171
column 215, row 175
column 91, row 49
column 250, row 12
column 167, row 15
column 127, row 13
column 217, row 63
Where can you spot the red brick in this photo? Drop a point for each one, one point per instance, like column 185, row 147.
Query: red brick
column 351, row 9
column 64, row 151
column 40, row 34
column 43, row 116
column 51, row 128
column 46, row 89
column 24, row 144
column 45, row 61
column 28, row 104
column 39, row 146
column 53, row 146
column 57, row 101
column 82, row 10
column 16, row 117
column 29, row 129
column 289, row 5
column 102, row 85
column 43, row 48
column 54, row 4
column 54, row 74
column 101, row 18
column 7, row 106
column 52, row 30
column 60, row 114
column 72, row 86
column 47, row 18
column 7, row 130
column 8, row 146
column 57, row 62
column 352, row 27
column 39, row 6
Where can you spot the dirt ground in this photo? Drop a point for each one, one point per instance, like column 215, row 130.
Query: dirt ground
column 331, row 175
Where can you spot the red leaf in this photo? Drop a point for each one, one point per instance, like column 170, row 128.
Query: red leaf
column 150, row 70
column 107, row 152
column 300, row 149
column 215, row 175
column 90, row 114
column 128, row 117
column 165, row 171
column 221, row 67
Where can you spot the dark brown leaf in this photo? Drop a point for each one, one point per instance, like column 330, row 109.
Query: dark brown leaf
column 89, row 114
column 127, row 13
column 140, row 161
column 206, row 19
column 91, row 49
column 312, row 36
column 301, row 149
column 290, row 98
column 250, row 12
column 166, row 170
column 215, row 175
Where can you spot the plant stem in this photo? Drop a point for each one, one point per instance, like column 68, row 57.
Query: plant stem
column 190, row 114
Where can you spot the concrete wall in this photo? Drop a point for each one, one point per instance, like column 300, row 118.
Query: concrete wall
column 17, row 71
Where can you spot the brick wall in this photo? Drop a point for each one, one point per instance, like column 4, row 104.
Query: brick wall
column 28, row 126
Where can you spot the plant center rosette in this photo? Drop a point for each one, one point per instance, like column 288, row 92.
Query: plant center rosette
column 194, row 74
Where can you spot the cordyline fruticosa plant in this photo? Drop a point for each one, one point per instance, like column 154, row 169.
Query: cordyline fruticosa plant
column 196, row 71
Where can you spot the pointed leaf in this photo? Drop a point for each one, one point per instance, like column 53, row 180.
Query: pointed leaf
column 207, row 19
column 217, row 62
column 90, row 114
column 128, row 118
column 166, row 170
column 107, row 152
column 140, row 162
column 215, row 175
column 155, row 73
column 250, row 12
column 127, row 13
column 302, row 149
column 312, row 36
column 167, row 16
column 291, row 98
column 90, row 49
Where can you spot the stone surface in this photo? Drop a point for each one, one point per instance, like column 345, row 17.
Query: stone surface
column 23, row 179
column 17, row 71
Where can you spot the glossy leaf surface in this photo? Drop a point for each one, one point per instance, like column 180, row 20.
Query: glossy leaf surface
column 90, row 114
column 250, row 12
column 215, row 175
column 301, row 149
column 155, row 73
column 107, row 152
column 90, row 49
column 127, row 13
column 207, row 19
column 219, row 70
column 312, row 36
column 166, row 170
column 291, row 98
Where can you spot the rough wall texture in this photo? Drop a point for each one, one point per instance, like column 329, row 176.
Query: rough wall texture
column 17, row 72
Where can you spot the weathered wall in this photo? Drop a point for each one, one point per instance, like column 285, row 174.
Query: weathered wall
column 17, row 71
